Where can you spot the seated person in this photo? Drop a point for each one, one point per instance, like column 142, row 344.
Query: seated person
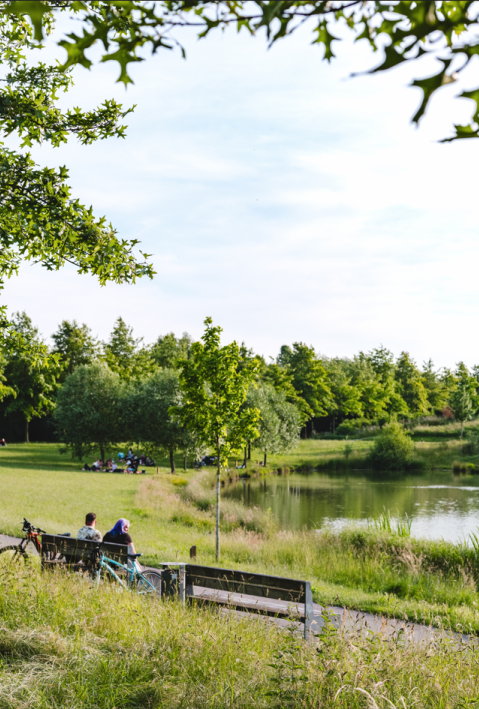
column 119, row 534
column 113, row 466
column 3, row 442
column 86, row 467
column 89, row 532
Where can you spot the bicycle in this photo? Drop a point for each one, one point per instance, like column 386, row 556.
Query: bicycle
column 144, row 582
column 18, row 551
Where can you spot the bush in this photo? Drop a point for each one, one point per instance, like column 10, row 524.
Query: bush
column 392, row 449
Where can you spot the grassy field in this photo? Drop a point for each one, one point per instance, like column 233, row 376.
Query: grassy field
column 62, row 644
column 433, row 582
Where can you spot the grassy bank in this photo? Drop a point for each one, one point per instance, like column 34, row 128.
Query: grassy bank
column 62, row 644
column 368, row 570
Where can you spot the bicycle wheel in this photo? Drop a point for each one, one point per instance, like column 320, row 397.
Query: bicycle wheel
column 149, row 583
column 12, row 554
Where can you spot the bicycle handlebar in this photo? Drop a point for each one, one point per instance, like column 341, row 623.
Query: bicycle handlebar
column 28, row 527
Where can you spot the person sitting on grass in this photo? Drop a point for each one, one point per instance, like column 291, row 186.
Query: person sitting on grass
column 88, row 531
column 119, row 534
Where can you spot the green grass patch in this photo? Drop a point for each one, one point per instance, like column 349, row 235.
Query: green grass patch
column 64, row 644
column 371, row 570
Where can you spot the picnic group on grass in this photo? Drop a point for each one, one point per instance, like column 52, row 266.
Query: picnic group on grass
column 129, row 464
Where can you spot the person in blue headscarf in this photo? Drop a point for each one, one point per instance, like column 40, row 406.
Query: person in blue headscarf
column 119, row 534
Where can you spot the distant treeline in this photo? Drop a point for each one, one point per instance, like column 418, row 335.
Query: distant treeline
column 339, row 394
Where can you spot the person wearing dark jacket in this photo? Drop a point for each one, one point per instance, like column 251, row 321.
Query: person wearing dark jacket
column 119, row 534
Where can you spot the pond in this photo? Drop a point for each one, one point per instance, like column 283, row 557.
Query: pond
column 440, row 505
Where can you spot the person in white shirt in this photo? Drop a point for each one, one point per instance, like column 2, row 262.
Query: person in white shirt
column 88, row 531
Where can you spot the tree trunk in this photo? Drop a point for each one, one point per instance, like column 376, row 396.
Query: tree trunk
column 249, row 450
column 245, row 456
column 27, row 434
column 102, row 453
column 462, row 428
column 172, row 462
column 218, row 482
column 334, row 424
column 264, row 462
column 185, row 462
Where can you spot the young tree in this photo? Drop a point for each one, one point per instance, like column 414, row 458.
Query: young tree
column 88, row 411
column 214, row 389
column 279, row 424
column 152, row 425
column 124, row 355
column 75, row 346
column 461, row 404
column 29, row 372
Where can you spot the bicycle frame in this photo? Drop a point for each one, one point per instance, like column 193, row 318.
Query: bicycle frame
column 132, row 573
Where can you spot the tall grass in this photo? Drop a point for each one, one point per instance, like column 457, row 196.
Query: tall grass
column 384, row 522
column 62, row 644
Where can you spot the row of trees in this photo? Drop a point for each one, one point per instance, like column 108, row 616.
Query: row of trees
column 96, row 409
column 372, row 387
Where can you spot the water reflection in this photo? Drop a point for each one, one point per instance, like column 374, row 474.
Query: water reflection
column 440, row 504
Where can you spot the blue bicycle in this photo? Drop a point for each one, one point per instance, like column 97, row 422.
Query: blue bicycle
column 143, row 582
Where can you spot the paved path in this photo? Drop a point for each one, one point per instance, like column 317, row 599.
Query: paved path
column 341, row 618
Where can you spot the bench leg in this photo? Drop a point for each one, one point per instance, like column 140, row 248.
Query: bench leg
column 308, row 611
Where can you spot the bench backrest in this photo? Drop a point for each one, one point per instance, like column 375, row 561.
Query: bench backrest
column 56, row 547
column 259, row 585
column 232, row 581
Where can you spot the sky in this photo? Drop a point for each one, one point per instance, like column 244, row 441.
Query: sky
column 279, row 196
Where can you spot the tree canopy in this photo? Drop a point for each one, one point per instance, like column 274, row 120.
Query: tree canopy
column 40, row 220
column 402, row 31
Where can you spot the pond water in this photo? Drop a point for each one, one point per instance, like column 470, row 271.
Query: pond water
column 440, row 505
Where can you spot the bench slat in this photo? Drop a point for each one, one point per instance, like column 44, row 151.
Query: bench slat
column 55, row 548
column 274, row 587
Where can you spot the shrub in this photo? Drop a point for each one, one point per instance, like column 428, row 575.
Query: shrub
column 392, row 449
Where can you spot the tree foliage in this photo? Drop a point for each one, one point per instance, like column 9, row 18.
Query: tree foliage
column 124, row 354
column 150, row 422
column 88, row 411
column 39, row 218
column 75, row 345
column 402, row 31
column 30, row 374
column 169, row 350
column 279, row 423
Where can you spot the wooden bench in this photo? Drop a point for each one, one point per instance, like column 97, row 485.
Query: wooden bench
column 254, row 593
column 58, row 550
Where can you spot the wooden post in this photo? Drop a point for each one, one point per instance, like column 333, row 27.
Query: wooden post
column 157, row 470
column 193, row 552
column 308, row 611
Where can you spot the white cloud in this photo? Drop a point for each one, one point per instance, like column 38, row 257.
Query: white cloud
column 287, row 203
